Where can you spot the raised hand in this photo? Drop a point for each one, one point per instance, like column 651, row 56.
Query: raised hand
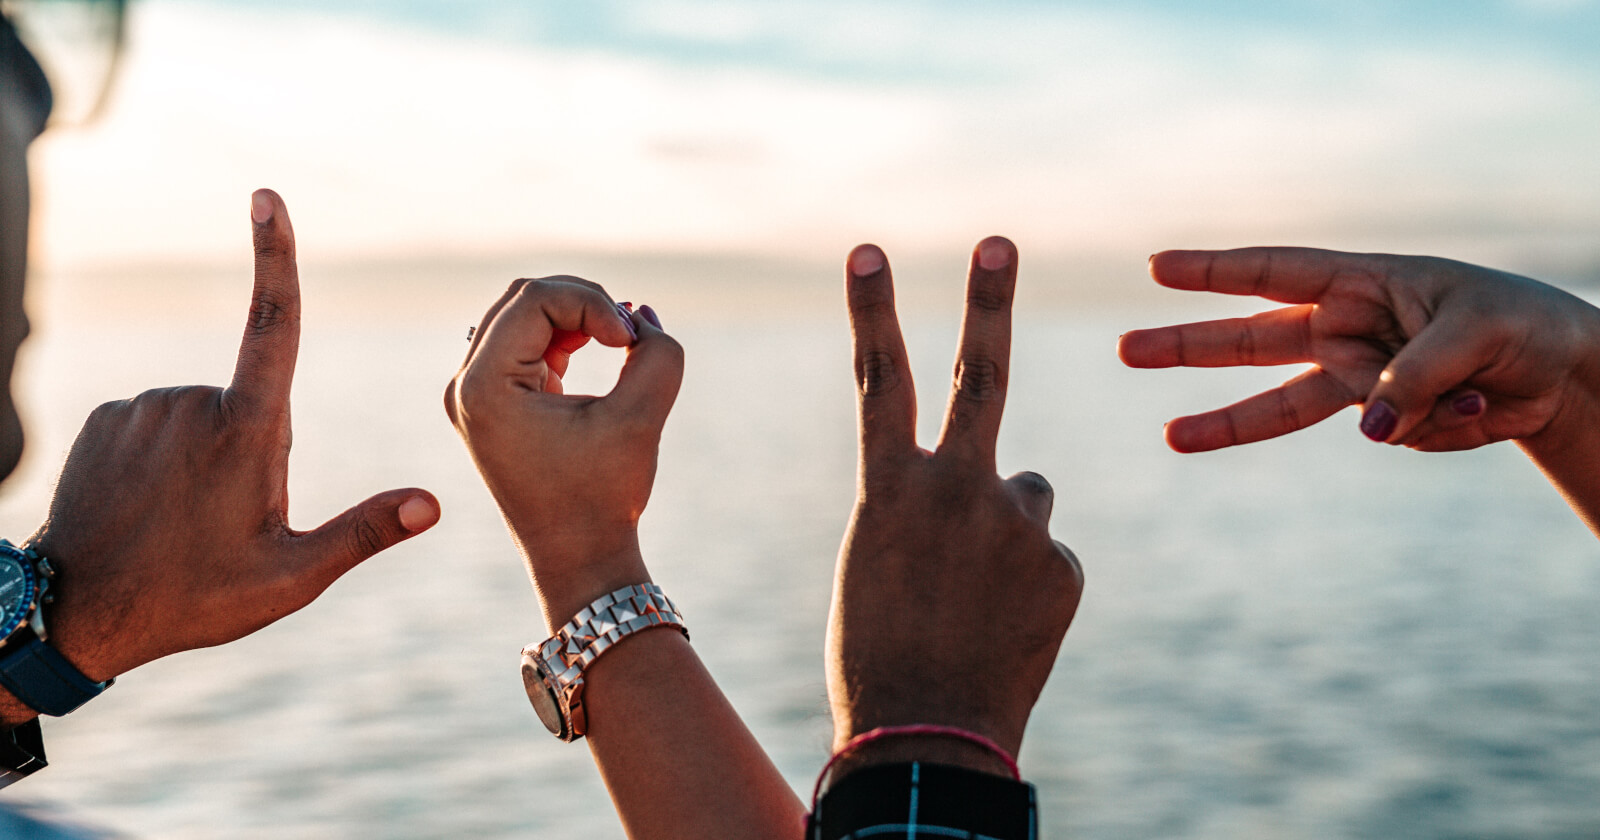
column 951, row 599
column 1440, row 354
column 170, row 526
column 571, row 474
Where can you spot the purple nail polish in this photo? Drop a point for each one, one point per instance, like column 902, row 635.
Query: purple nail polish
column 627, row 320
column 650, row 315
column 1379, row 421
column 1470, row 404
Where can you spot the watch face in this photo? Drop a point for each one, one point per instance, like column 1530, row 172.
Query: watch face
column 16, row 592
column 543, row 699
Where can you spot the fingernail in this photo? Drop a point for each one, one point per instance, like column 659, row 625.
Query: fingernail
column 624, row 311
column 993, row 256
column 417, row 514
column 650, row 315
column 1378, row 422
column 1468, row 405
column 260, row 207
column 865, row 262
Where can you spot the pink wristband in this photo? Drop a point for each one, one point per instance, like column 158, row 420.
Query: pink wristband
column 883, row 732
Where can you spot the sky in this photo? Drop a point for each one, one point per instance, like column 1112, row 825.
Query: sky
column 427, row 128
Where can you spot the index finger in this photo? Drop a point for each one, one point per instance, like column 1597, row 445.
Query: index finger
column 885, row 396
column 983, row 363
column 519, row 336
column 264, row 372
column 1287, row 275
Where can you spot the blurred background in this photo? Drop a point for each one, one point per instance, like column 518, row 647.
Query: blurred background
column 1306, row 638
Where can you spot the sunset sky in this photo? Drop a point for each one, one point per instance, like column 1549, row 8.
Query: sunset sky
column 439, row 128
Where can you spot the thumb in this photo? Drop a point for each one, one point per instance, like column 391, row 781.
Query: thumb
column 1033, row 493
column 1442, row 357
column 368, row 528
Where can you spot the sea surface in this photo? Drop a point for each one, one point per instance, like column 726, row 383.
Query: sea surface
column 1315, row 637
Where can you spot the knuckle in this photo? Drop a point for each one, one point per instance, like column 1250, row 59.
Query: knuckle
column 878, row 373
column 466, row 395
column 195, row 396
column 111, row 409
column 364, row 538
column 270, row 309
column 669, row 345
column 988, row 297
column 978, row 380
column 1287, row 412
column 1074, row 565
column 551, row 284
column 450, row 398
column 1263, row 279
column 1032, row 482
column 156, row 400
column 1245, row 347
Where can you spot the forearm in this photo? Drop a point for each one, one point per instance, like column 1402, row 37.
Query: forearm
column 676, row 757
column 674, row 754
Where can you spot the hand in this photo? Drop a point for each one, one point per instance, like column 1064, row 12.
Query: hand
column 169, row 526
column 570, row 473
column 1442, row 355
column 951, row 599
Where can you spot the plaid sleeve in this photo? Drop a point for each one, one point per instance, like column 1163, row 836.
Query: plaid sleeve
column 925, row 801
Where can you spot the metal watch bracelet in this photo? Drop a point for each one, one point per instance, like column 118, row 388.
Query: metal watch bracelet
column 552, row 670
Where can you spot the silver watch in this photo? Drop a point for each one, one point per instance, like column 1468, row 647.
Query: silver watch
column 552, row 670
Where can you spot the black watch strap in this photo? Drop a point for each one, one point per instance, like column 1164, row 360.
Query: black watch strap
column 925, row 800
column 21, row 752
column 43, row 679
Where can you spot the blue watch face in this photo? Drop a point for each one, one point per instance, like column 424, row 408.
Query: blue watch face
column 16, row 592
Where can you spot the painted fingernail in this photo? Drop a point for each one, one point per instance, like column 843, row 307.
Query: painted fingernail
column 261, row 207
column 625, row 312
column 993, row 256
column 1470, row 404
column 865, row 262
column 417, row 514
column 1378, row 422
column 650, row 315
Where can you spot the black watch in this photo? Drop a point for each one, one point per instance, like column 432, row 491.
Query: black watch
column 33, row 671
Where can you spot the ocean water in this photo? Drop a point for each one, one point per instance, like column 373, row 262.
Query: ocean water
column 1308, row 638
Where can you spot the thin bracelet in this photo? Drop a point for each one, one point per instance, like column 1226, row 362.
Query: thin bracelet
column 913, row 729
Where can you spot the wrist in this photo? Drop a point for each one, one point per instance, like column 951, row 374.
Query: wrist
column 71, row 617
column 1574, row 416
column 14, row 712
column 933, row 748
column 568, row 577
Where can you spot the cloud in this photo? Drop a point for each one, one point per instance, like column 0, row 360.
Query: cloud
column 920, row 127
